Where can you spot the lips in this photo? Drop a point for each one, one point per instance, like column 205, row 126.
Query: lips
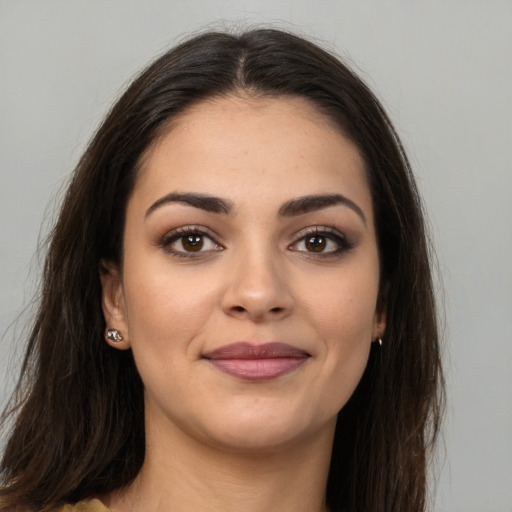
column 257, row 362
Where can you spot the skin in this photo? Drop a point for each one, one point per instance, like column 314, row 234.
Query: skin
column 216, row 441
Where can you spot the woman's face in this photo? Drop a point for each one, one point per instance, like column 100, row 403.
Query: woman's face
column 250, row 278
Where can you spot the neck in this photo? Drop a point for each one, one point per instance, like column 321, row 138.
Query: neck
column 181, row 474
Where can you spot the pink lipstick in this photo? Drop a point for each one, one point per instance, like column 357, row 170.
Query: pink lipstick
column 257, row 362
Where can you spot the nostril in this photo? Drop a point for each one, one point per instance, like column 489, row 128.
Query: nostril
column 240, row 309
column 276, row 310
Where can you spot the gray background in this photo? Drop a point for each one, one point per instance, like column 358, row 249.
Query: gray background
column 443, row 69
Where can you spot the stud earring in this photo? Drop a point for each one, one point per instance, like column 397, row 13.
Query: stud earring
column 113, row 335
column 380, row 341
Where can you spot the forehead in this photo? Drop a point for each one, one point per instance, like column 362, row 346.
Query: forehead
column 239, row 147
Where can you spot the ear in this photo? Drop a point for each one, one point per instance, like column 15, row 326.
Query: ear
column 112, row 302
column 379, row 319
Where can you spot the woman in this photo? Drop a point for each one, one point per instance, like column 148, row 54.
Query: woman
column 237, row 309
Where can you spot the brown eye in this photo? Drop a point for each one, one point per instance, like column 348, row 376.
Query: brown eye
column 192, row 243
column 189, row 242
column 322, row 243
column 315, row 243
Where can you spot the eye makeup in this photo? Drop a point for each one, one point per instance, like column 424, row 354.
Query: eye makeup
column 190, row 242
column 321, row 242
column 195, row 241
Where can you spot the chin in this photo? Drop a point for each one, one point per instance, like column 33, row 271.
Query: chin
column 264, row 433
column 262, row 441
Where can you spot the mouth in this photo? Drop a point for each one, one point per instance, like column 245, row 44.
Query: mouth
column 252, row 362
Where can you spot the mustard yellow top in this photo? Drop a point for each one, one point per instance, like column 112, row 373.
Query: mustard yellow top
column 89, row 505
column 83, row 506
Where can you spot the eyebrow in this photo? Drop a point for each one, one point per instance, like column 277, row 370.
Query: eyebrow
column 292, row 208
column 313, row 203
column 201, row 201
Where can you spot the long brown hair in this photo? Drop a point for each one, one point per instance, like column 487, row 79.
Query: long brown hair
column 76, row 417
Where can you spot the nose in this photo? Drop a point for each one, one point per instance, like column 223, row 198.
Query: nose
column 257, row 290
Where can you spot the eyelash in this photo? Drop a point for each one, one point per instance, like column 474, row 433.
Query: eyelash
column 325, row 232
column 180, row 234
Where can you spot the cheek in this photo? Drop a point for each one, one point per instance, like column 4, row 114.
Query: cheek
column 166, row 313
column 166, row 306
column 342, row 306
column 341, row 310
